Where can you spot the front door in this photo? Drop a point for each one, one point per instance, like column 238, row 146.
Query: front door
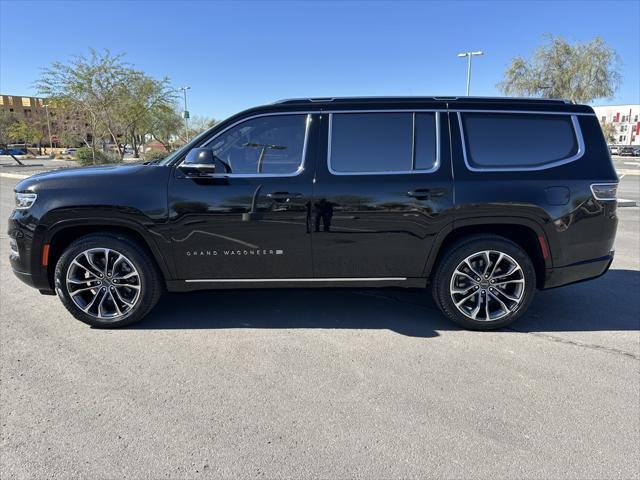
column 250, row 222
column 382, row 193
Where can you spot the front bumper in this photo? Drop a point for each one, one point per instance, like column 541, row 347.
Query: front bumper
column 24, row 257
column 577, row 272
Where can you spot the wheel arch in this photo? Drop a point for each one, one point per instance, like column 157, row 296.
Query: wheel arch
column 63, row 233
column 526, row 233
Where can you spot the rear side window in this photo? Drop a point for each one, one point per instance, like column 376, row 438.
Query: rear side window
column 373, row 143
column 513, row 140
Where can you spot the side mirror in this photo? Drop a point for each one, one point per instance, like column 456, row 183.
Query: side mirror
column 199, row 162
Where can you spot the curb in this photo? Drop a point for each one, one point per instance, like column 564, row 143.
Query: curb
column 623, row 202
column 627, row 171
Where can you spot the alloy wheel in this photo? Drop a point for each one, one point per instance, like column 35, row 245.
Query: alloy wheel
column 487, row 285
column 103, row 283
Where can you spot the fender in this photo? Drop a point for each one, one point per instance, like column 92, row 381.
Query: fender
column 155, row 241
column 481, row 221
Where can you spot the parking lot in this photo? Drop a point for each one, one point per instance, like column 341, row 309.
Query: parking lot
column 326, row 383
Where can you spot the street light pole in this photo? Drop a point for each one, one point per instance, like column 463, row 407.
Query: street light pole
column 185, row 114
column 469, row 55
column 46, row 107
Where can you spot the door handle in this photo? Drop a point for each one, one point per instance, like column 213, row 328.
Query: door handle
column 283, row 196
column 426, row 193
column 420, row 193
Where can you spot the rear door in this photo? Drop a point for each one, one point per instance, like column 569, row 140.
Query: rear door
column 383, row 190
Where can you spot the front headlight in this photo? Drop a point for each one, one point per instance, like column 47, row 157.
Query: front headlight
column 25, row 200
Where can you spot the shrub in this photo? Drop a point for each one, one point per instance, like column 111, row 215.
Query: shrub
column 154, row 155
column 84, row 157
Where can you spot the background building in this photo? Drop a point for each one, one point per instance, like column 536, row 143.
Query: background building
column 625, row 119
column 24, row 108
column 67, row 129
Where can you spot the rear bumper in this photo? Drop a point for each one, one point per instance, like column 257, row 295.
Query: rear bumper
column 577, row 272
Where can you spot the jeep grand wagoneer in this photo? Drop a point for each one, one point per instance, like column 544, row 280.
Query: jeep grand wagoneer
column 484, row 200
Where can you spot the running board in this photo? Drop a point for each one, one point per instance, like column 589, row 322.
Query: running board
column 262, row 280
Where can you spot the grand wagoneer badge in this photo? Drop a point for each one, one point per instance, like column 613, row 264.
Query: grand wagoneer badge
column 230, row 253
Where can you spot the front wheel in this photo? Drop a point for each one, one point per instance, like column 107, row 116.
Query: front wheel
column 484, row 282
column 107, row 280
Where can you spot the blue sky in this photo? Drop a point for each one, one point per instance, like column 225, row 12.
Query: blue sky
column 239, row 54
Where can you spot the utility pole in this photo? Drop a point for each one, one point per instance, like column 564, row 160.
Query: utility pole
column 469, row 55
column 185, row 114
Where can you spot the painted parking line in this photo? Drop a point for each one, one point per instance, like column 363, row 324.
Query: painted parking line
column 17, row 176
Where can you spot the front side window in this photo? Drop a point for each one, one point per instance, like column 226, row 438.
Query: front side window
column 383, row 142
column 263, row 145
column 514, row 140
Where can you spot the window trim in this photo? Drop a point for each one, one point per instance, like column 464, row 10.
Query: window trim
column 303, row 161
column 433, row 169
column 546, row 166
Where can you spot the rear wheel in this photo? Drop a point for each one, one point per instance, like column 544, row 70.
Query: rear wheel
column 107, row 281
column 484, row 282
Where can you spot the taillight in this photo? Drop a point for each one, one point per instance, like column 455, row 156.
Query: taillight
column 605, row 191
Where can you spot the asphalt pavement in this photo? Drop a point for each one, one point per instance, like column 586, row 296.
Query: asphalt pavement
column 307, row 383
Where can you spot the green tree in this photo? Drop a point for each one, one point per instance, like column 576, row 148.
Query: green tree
column 22, row 132
column 93, row 85
column 69, row 123
column 165, row 125
column 581, row 72
column 117, row 103
column 39, row 131
column 140, row 101
column 7, row 120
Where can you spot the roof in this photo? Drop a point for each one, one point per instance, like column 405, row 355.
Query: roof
column 329, row 104
column 365, row 100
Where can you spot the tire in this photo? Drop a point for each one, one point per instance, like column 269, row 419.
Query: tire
column 509, row 294
column 124, row 289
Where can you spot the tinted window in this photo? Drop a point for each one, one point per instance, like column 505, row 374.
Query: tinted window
column 425, row 141
column 382, row 142
column 271, row 144
column 517, row 140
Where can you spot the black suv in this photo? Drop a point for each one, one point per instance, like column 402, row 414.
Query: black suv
column 485, row 199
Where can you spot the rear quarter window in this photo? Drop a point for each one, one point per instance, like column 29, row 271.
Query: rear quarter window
column 518, row 141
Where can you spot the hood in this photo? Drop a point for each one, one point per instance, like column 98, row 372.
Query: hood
column 79, row 176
